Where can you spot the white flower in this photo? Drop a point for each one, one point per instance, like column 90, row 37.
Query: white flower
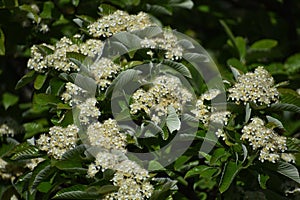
column 107, row 135
column 59, row 140
column 257, row 87
column 117, row 22
column 269, row 143
column 88, row 111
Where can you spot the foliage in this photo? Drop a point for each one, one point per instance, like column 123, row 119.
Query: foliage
column 34, row 105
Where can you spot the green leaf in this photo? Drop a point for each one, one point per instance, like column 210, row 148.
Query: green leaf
column 45, row 99
column 157, row 9
column 2, row 43
column 292, row 64
column 33, row 128
column 44, row 187
column 40, row 80
column 173, row 122
column 293, row 144
column 155, row 166
column 56, row 86
column 75, row 2
column 24, row 151
column 275, row 121
column 9, row 100
column 131, row 41
column 235, row 73
column 27, row 78
column 181, row 161
column 32, row 13
column 284, row 107
column 179, row 67
column 40, row 174
column 262, row 179
column 69, row 165
column 200, row 170
column 219, row 155
column 195, row 57
column 188, row 4
column 263, row 45
column 241, row 47
column 230, row 171
column 289, row 96
column 76, row 192
column 47, row 10
column 107, row 189
column 74, row 154
column 288, row 170
column 233, row 62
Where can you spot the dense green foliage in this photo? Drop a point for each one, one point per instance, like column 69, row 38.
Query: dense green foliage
column 239, row 36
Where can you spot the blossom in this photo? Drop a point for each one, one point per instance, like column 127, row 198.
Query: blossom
column 59, row 140
column 132, row 181
column 88, row 111
column 166, row 91
column 107, row 135
column 257, row 87
column 8, row 127
column 264, row 139
column 38, row 60
column 168, row 42
column 73, row 94
column 117, row 22
column 103, row 71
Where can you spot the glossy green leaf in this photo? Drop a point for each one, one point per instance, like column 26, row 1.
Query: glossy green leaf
column 45, row 99
column 230, row 171
column 39, row 81
column 47, row 10
column 76, row 192
column 155, row 166
column 24, row 151
column 179, row 67
column 292, row 64
column 188, row 4
column 262, row 179
column 27, row 78
column 200, row 170
column 263, row 45
column 39, row 174
column 284, row 107
column 233, row 62
column 158, row 9
column 288, row 170
column 9, row 100
column 241, row 46
column 44, row 187
column 2, row 43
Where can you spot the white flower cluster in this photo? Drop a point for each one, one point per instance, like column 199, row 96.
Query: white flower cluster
column 59, row 140
column 41, row 60
column 7, row 171
column 288, row 157
column 166, row 91
column 88, row 111
column 117, row 22
column 72, row 94
column 206, row 113
column 34, row 162
column 8, row 127
column 167, row 42
column 107, row 135
column 103, row 71
column 270, row 144
column 131, row 179
column 257, row 87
